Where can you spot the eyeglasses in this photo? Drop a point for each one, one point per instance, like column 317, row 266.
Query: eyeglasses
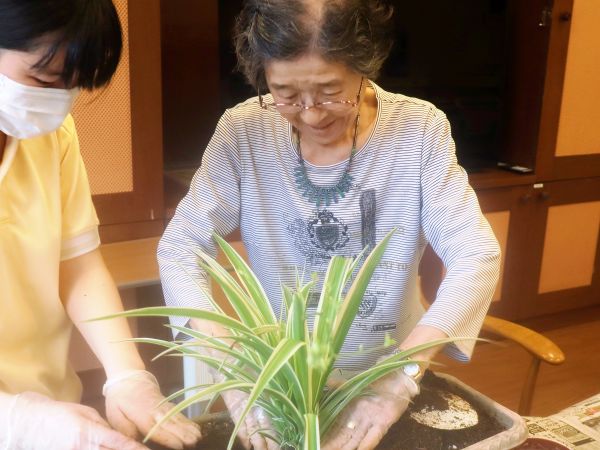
column 338, row 106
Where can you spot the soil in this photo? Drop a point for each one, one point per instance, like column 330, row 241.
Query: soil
column 216, row 434
column 406, row 434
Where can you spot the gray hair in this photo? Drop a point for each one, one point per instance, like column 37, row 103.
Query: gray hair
column 356, row 33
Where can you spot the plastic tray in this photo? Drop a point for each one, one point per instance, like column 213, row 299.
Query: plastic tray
column 516, row 430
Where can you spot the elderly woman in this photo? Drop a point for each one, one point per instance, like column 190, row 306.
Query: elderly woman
column 51, row 272
column 325, row 162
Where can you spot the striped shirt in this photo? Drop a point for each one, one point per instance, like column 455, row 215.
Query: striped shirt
column 405, row 176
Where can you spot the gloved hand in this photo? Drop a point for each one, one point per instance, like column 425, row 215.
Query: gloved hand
column 366, row 419
column 132, row 408
column 35, row 422
column 256, row 420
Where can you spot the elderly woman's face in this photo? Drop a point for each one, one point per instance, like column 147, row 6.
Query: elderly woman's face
column 310, row 79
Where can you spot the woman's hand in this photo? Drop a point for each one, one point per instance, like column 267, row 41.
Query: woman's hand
column 35, row 422
column 132, row 408
column 364, row 422
column 257, row 425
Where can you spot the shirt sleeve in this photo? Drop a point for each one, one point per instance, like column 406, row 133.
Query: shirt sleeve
column 79, row 219
column 458, row 232
column 212, row 205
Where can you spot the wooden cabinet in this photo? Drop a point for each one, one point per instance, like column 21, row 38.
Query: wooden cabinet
column 550, row 238
column 552, row 258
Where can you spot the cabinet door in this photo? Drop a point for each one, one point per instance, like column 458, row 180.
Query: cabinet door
column 569, row 142
column 120, row 129
column 564, row 248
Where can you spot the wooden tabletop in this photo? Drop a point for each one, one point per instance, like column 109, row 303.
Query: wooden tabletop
column 133, row 263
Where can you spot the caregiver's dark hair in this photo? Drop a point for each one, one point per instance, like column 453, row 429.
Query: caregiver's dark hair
column 89, row 30
column 356, row 33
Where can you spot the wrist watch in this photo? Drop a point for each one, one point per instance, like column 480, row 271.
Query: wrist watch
column 414, row 371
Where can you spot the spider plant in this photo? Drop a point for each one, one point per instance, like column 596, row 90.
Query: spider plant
column 281, row 364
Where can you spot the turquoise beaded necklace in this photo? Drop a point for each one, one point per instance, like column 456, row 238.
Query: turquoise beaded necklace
column 324, row 195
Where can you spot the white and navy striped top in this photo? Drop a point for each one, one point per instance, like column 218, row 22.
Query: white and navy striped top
column 405, row 176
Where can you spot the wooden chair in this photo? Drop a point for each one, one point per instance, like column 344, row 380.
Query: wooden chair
column 538, row 346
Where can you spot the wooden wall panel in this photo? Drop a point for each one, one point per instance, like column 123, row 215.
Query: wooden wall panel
column 103, row 120
column 122, row 140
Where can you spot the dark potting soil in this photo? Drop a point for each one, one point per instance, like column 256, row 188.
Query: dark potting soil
column 406, row 434
column 215, row 435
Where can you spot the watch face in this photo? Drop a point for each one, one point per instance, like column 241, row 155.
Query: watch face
column 411, row 369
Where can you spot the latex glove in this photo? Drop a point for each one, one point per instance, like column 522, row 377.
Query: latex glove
column 132, row 408
column 366, row 419
column 35, row 422
column 255, row 420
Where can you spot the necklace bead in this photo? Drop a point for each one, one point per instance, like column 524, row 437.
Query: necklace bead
column 324, row 195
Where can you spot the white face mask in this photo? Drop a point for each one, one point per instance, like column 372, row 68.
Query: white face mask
column 28, row 111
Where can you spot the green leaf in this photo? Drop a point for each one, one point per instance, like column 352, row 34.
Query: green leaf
column 296, row 331
column 238, row 299
column 208, row 392
column 183, row 391
column 205, row 293
column 281, row 355
column 248, row 280
column 333, row 285
column 238, row 352
column 353, row 299
column 322, row 357
column 312, row 439
column 191, row 313
column 266, row 329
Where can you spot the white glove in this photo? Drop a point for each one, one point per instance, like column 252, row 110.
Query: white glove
column 363, row 423
column 132, row 408
column 256, row 420
column 35, row 422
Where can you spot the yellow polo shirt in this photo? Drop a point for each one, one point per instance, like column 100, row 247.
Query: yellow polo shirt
column 46, row 215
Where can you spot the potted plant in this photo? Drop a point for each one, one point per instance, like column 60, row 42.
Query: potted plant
column 281, row 364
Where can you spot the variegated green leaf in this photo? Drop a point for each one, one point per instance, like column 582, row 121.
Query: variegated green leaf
column 280, row 357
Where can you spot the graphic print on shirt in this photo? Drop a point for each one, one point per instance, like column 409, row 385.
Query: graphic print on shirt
column 368, row 209
column 325, row 234
column 368, row 213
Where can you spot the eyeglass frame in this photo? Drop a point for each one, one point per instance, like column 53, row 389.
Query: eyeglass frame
column 302, row 107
